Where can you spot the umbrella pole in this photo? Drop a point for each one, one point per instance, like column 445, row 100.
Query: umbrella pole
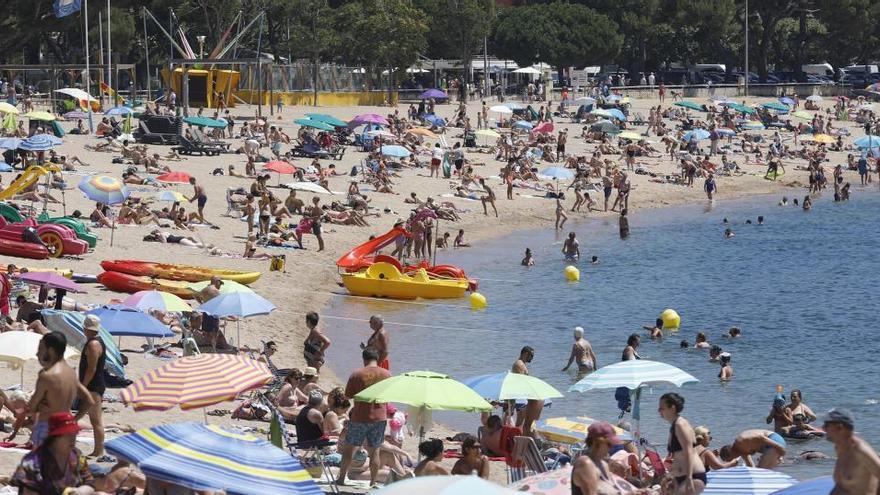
column 205, row 412
column 238, row 332
column 21, row 379
column 112, row 229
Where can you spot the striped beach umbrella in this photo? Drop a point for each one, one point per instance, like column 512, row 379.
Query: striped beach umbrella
column 169, row 195
column 146, row 300
column 174, row 177
column 196, row 381
column 571, row 430
column 507, row 385
column 227, row 287
column 104, row 189
column 39, row 142
column 445, row 485
column 818, row 486
column 746, row 481
column 213, row 458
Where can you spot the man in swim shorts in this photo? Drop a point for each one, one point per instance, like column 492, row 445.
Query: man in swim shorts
column 769, row 444
column 199, row 194
column 571, row 248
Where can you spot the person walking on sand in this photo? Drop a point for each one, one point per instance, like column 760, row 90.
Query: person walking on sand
column 199, row 194
column 91, row 376
column 368, row 420
column 379, row 340
column 314, row 214
column 316, row 342
column 857, row 468
column 56, row 387
column 526, row 416
column 582, row 353
column 488, row 198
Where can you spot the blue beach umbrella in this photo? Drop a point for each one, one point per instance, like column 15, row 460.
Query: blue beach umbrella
column 70, row 323
column 242, row 304
column 435, row 120
column 746, row 481
column 104, row 189
column 119, row 111
column 617, row 114
column 315, row 124
column 786, row 101
column 724, row 131
column 204, row 122
column 395, row 151
column 432, row 93
column 39, row 142
column 507, row 385
column 698, row 134
column 613, row 98
column 10, row 143
column 818, row 486
column 124, row 321
column 867, row 141
column 557, row 173
column 779, row 107
column 522, row 124
column 605, row 126
column 213, row 458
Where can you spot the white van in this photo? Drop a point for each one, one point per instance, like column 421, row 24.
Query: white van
column 823, row 69
column 710, row 68
column 860, row 69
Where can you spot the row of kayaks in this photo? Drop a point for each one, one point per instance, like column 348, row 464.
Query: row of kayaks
column 131, row 276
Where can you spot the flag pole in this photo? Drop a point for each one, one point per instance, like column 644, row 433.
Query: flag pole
column 88, row 72
column 109, row 59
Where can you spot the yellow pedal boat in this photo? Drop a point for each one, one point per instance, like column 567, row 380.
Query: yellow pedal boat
column 385, row 280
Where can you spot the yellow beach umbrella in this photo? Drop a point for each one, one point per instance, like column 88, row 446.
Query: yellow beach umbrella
column 635, row 136
column 421, row 131
column 7, row 108
column 571, row 430
column 45, row 116
column 824, row 138
column 488, row 133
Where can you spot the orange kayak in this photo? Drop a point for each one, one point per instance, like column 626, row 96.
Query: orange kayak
column 170, row 271
column 123, row 282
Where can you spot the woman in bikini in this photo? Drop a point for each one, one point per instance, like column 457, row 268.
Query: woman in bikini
column 710, row 460
column 472, row 459
column 687, row 467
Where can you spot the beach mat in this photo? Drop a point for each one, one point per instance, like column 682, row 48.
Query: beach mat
column 70, row 323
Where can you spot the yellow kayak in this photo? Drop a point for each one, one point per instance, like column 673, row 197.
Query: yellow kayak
column 385, row 280
column 170, row 271
column 60, row 271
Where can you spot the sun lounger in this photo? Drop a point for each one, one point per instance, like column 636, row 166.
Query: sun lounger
column 200, row 138
column 187, row 147
column 158, row 130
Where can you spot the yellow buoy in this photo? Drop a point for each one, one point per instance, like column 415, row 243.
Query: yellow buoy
column 478, row 301
column 572, row 274
column 670, row 318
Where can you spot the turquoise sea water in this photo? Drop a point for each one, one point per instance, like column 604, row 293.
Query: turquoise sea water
column 803, row 288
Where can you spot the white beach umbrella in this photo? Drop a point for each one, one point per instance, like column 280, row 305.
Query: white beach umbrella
column 746, row 481
column 501, row 109
column 307, row 186
column 18, row 347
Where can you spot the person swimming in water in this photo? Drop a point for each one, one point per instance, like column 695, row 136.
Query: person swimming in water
column 728, row 234
column 808, row 203
column 760, row 220
column 527, row 259
column 655, row 332
column 726, row 373
column 594, row 260
column 571, row 248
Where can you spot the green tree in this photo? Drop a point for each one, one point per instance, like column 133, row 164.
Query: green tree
column 764, row 17
column 853, row 30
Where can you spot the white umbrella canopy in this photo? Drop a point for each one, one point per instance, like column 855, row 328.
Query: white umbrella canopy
column 76, row 93
column 307, row 186
column 18, row 347
column 746, row 481
column 527, row 70
column 501, row 109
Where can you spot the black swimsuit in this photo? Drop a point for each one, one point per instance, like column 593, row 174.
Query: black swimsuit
column 675, row 446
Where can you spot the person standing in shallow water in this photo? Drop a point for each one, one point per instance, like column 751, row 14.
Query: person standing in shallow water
column 857, row 469
column 582, row 353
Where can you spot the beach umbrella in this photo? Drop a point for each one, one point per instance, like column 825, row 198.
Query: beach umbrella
column 432, row 93
column 633, row 375
column 368, row 118
column 514, row 105
column 698, row 134
column 7, row 108
column 227, row 287
column 814, row 98
column 381, row 133
column 280, row 167
column 445, row 485
column 632, row 136
column 174, row 177
column 39, row 142
column 779, row 107
column 121, row 320
column 169, row 195
column 425, row 389
column 613, row 98
column 824, row 138
column 435, row 120
column 867, row 141
column 44, row 116
column 818, row 486
column 571, row 430
column 601, row 112
column 395, row 151
column 70, row 323
column 18, row 347
column 522, row 124
column 746, row 481
column 803, row 115
column 584, row 100
column 507, row 385
column 51, row 280
column 76, row 114
column 617, row 114
column 327, row 119
column 307, row 186
column 488, row 133
column 421, row 131
column 543, row 128
column 738, row 107
column 557, row 173
column 605, row 126
column 725, row 131
column 213, row 458
column 104, row 189
column 753, row 126
column 77, row 93
column 504, row 110
column 553, row 482
column 194, row 382
column 527, row 70
column 204, row 122
column 689, row 104
column 146, row 300
column 10, row 143
column 315, row 124
column 238, row 304
column 785, row 100
column 124, row 111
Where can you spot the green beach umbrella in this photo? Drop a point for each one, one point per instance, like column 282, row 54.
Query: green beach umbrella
column 327, row 119
column 227, row 287
column 204, row 122
column 739, row 107
column 775, row 105
column 800, row 114
column 689, row 104
column 425, row 389
column 314, row 124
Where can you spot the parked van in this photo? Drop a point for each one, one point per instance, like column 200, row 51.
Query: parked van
column 710, row 68
column 860, row 69
column 823, row 69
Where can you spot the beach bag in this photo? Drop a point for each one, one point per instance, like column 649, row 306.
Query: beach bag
column 276, row 264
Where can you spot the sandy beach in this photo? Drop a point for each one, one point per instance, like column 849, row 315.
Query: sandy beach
column 310, row 278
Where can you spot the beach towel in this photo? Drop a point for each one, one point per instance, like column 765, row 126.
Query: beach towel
column 70, row 323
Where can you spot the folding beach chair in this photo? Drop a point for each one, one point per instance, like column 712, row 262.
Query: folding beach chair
column 526, row 451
